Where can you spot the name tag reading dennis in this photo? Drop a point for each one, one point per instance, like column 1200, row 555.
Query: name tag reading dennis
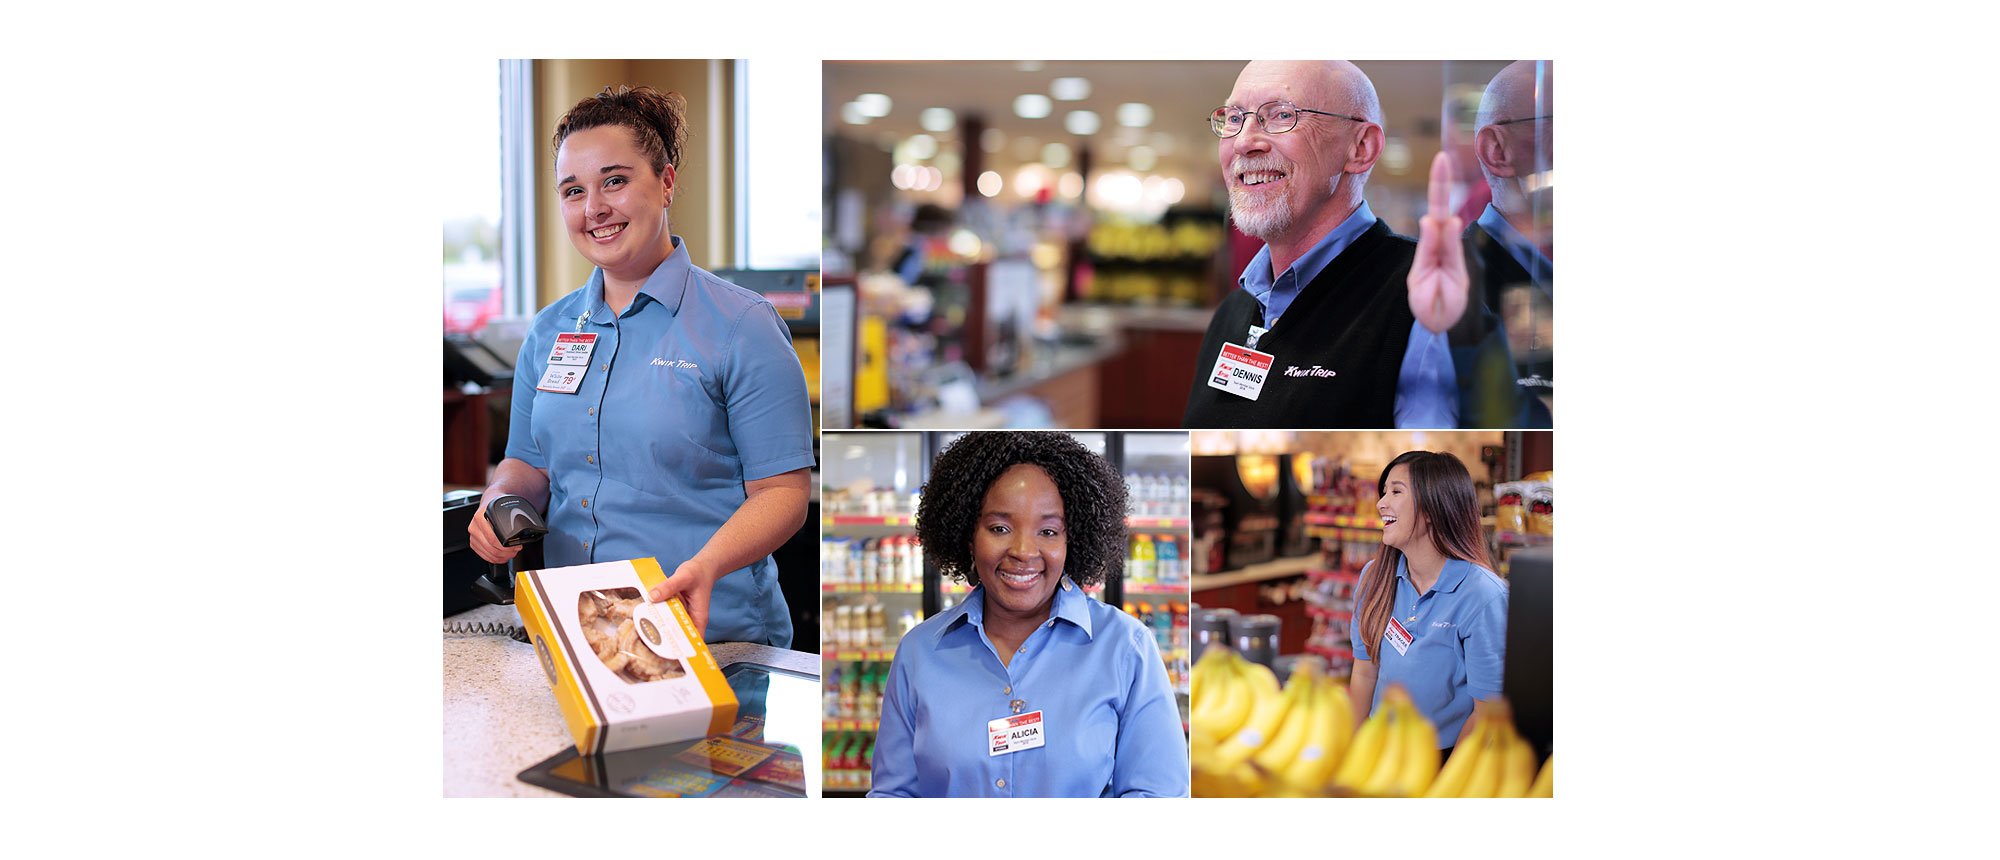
column 1014, row 734
column 1240, row 370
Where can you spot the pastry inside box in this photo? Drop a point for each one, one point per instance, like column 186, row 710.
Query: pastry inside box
column 626, row 672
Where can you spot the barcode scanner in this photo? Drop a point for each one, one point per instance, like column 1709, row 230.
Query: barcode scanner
column 514, row 522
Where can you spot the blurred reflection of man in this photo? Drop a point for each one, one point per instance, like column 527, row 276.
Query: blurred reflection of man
column 1334, row 326
column 1511, row 241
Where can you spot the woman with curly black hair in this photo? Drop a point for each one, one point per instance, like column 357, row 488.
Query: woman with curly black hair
column 1028, row 688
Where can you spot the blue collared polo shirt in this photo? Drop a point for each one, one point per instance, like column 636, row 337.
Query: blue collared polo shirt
column 1458, row 646
column 692, row 391
column 1111, row 726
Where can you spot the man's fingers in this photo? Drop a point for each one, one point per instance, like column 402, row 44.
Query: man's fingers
column 674, row 585
column 1440, row 190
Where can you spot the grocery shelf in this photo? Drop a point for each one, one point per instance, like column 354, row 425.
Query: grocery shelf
column 1344, row 533
column 1332, row 614
column 1278, row 569
column 1345, row 521
column 1173, row 524
column 1177, row 589
column 865, row 588
column 859, row 655
column 839, row 725
column 904, row 520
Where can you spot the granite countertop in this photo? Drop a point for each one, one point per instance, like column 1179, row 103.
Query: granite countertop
column 500, row 718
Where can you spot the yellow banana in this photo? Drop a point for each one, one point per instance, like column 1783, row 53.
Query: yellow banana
column 1360, row 760
column 1485, row 778
column 1545, row 782
column 1311, row 767
column 1420, row 761
column 1338, row 722
column 1282, row 743
column 1519, row 769
column 1233, row 698
column 1261, row 727
column 1457, row 770
column 1395, row 748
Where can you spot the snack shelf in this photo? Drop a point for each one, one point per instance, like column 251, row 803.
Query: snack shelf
column 1172, row 524
column 850, row 725
column 897, row 520
column 859, row 655
column 876, row 588
column 1167, row 589
column 1345, row 521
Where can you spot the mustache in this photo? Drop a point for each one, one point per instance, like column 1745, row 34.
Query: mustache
column 1245, row 164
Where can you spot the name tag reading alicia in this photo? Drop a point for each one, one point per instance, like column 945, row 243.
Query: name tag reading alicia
column 1240, row 370
column 1014, row 734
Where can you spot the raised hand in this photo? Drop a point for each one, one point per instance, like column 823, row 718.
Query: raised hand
column 1438, row 279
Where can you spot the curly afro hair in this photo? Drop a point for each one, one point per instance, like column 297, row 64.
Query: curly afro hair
column 1093, row 496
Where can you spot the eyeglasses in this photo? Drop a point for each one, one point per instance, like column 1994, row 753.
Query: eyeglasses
column 1273, row 117
column 1522, row 119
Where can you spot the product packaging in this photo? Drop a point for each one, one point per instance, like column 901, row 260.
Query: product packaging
column 626, row 672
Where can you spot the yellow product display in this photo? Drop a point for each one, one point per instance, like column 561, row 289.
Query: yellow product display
column 1252, row 739
column 1493, row 761
column 626, row 672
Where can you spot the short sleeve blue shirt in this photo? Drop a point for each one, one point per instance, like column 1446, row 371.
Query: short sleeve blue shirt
column 690, row 392
column 1458, row 644
column 1112, row 728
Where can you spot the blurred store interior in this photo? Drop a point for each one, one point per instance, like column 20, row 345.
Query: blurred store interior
column 1040, row 244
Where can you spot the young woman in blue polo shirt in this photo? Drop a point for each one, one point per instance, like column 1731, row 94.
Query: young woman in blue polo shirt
column 1028, row 688
column 1430, row 614
column 658, row 411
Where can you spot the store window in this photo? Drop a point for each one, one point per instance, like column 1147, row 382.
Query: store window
column 486, row 195
column 777, row 101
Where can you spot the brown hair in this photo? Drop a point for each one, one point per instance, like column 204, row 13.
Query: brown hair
column 658, row 121
column 1447, row 501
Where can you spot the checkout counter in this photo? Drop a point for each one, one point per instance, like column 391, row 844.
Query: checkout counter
column 501, row 724
column 505, row 737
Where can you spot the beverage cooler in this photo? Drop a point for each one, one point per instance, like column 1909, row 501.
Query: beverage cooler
column 875, row 584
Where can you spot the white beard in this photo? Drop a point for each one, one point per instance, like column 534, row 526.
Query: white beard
column 1265, row 220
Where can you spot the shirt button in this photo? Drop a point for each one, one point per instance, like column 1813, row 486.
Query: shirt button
column 604, row 366
column 586, row 544
column 591, row 411
column 590, row 458
column 999, row 783
column 586, row 503
column 1006, row 691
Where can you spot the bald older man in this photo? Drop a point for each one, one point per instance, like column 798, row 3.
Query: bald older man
column 1509, row 246
column 1340, row 321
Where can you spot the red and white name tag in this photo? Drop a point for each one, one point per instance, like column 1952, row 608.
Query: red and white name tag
column 1241, row 371
column 1016, row 733
column 568, row 361
column 573, row 348
column 1397, row 637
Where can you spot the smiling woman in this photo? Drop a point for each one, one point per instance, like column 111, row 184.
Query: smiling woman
column 630, row 392
column 1071, row 694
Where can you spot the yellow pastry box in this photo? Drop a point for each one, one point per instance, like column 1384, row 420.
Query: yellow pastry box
column 626, row 672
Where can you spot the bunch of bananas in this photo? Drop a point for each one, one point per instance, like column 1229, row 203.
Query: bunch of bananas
column 1395, row 752
column 1494, row 761
column 1250, row 739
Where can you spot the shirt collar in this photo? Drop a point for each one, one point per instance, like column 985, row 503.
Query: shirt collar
column 667, row 285
column 1448, row 579
column 1523, row 251
column 1258, row 278
column 1071, row 605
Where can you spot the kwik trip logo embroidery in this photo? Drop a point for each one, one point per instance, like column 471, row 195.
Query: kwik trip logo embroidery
column 1315, row 370
column 674, row 362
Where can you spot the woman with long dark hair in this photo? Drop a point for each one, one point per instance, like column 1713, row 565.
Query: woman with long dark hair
column 1430, row 614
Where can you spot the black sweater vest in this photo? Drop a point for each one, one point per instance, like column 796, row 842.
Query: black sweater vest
column 1336, row 352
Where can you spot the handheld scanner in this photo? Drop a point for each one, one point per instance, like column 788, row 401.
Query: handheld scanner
column 514, row 521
